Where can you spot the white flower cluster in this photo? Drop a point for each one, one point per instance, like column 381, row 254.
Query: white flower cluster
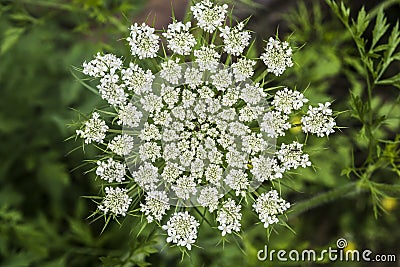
column 143, row 41
column 243, row 69
column 202, row 132
column 94, row 130
column 229, row 217
column 277, row 56
column 209, row 16
column 121, row 145
column 129, row 116
column 209, row 197
column 101, row 65
column 319, row 120
column 111, row 170
column 235, row 39
column 182, row 229
column 171, row 71
column 198, row 130
column 266, row 168
column 116, row 201
column 292, row 156
column 156, row 205
column 287, row 100
column 136, row 79
column 180, row 41
column 268, row 205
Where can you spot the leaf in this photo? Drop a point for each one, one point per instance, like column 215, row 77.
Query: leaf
column 359, row 107
column 10, row 37
column 396, row 56
column 346, row 171
column 110, row 261
column 393, row 42
column 391, row 80
column 343, row 13
column 363, row 20
column 382, row 47
column 379, row 29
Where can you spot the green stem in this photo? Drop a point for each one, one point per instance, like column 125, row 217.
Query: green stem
column 326, row 197
column 389, row 189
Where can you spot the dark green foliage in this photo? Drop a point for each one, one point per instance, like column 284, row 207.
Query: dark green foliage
column 349, row 54
column 42, row 214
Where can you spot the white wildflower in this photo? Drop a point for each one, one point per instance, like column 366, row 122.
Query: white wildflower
column 288, row 100
column 243, row 69
column 213, row 174
column 268, row 205
column 252, row 94
column 277, row 56
column 265, row 168
column 151, row 103
column 222, row 79
column 235, row 39
column 250, row 113
column 111, row 170
column 170, row 95
column 94, row 130
column 184, row 187
column 236, row 159
column 137, row 80
column 180, row 41
column 207, row 58
column 193, row 77
column 205, row 92
column 209, row 197
column 209, row 16
column 116, row 201
column 319, row 120
column 188, row 99
column 171, row 71
column 129, row 115
column 182, row 229
column 231, row 96
column 275, row 124
column 113, row 93
column 149, row 151
column 149, row 132
column 101, row 65
column 238, row 181
column 291, row 156
column 146, row 176
column 238, row 129
column 171, row 172
column 229, row 217
column 156, row 205
column 226, row 141
column 121, row 145
column 253, row 143
column 143, row 41
column 162, row 118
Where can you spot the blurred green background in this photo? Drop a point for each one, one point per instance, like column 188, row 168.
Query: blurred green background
column 43, row 216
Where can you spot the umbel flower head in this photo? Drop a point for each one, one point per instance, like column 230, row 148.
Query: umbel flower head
column 194, row 131
column 94, row 130
column 268, row 205
column 182, row 229
column 116, row 201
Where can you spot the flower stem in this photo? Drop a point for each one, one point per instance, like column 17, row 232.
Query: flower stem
column 326, row 197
